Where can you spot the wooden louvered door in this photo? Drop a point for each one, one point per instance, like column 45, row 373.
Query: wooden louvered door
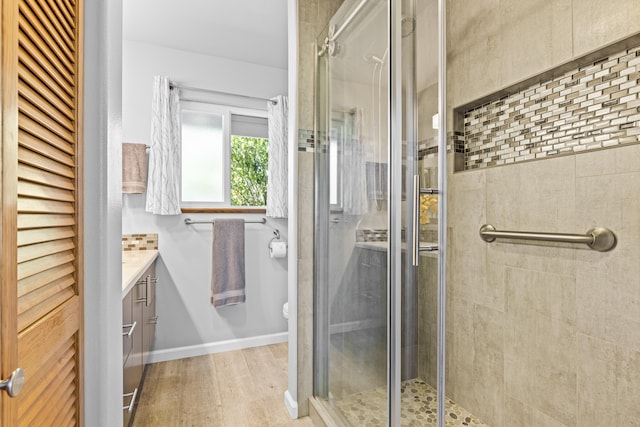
column 41, row 304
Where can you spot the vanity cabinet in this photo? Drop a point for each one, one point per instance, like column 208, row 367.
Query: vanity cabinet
column 138, row 332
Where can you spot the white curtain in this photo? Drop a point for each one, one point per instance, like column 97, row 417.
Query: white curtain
column 353, row 166
column 278, row 154
column 163, row 188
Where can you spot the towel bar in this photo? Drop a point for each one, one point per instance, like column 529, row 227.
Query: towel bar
column 189, row 221
column 599, row 238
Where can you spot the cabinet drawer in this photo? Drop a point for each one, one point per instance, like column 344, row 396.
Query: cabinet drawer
column 132, row 374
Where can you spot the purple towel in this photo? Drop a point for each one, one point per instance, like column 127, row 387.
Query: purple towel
column 227, row 276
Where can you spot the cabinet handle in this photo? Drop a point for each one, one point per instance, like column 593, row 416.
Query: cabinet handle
column 150, row 280
column 133, row 395
column 132, row 326
column 154, row 320
column 145, row 300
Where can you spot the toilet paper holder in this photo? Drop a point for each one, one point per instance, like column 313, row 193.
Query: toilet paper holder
column 276, row 236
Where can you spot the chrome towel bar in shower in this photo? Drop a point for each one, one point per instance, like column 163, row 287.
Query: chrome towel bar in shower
column 599, row 238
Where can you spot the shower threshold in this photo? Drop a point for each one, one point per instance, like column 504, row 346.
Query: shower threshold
column 419, row 407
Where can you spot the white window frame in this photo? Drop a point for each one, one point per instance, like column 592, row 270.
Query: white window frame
column 226, row 111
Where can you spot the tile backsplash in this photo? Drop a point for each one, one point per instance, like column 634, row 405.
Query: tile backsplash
column 591, row 107
column 371, row 235
column 139, row 242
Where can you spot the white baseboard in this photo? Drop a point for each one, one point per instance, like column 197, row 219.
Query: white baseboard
column 291, row 405
column 215, row 347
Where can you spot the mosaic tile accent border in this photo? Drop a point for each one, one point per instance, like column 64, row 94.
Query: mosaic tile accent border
column 455, row 142
column 371, row 235
column 418, row 403
column 139, row 242
column 587, row 108
column 306, row 140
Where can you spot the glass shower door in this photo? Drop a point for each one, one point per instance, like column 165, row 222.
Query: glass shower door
column 352, row 215
column 375, row 291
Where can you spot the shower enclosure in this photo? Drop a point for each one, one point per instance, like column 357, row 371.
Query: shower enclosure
column 536, row 132
column 377, row 214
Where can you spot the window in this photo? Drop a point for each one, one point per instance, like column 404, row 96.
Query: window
column 224, row 156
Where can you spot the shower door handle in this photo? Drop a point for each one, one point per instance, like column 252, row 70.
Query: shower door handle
column 417, row 192
column 416, row 221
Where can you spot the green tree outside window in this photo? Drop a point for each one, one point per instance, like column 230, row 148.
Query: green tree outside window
column 249, row 164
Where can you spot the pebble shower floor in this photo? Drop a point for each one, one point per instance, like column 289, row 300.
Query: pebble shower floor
column 418, row 407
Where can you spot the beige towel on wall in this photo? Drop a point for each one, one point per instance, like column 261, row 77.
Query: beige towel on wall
column 227, row 264
column 134, row 168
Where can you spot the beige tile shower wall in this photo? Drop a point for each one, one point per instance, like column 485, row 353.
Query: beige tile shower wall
column 494, row 44
column 544, row 335
column 313, row 16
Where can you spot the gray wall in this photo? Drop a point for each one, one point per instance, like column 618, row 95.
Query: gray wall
column 186, row 316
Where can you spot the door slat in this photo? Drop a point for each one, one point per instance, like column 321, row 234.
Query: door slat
column 45, row 375
column 36, row 281
column 29, row 237
column 39, row 250
column 45, row 120
column 36, row 266
column 32, row 174
column 60, row 45
column 58, row 112
column 28, row 205
column 32, row 413
column 49, row 334
column 34, row 159
column 37, row 77
column 29, row 221
column 38, row 130
column 57, row 20
column 33, row 30
column 69, row 14
column 54, row 411
column 30, row 317
column 29, row 189
column 40, row 295
column 37, row 145
column 33, row 60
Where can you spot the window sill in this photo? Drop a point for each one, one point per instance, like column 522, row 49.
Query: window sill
column 238, row 210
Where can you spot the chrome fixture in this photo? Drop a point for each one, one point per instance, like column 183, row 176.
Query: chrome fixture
column 14, row 384
column 598, row 238
column 133, row 396
column 417, row 192
column 189, row 221
column 218, row 92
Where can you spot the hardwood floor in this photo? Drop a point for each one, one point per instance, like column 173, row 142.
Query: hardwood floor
column 232, row 389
